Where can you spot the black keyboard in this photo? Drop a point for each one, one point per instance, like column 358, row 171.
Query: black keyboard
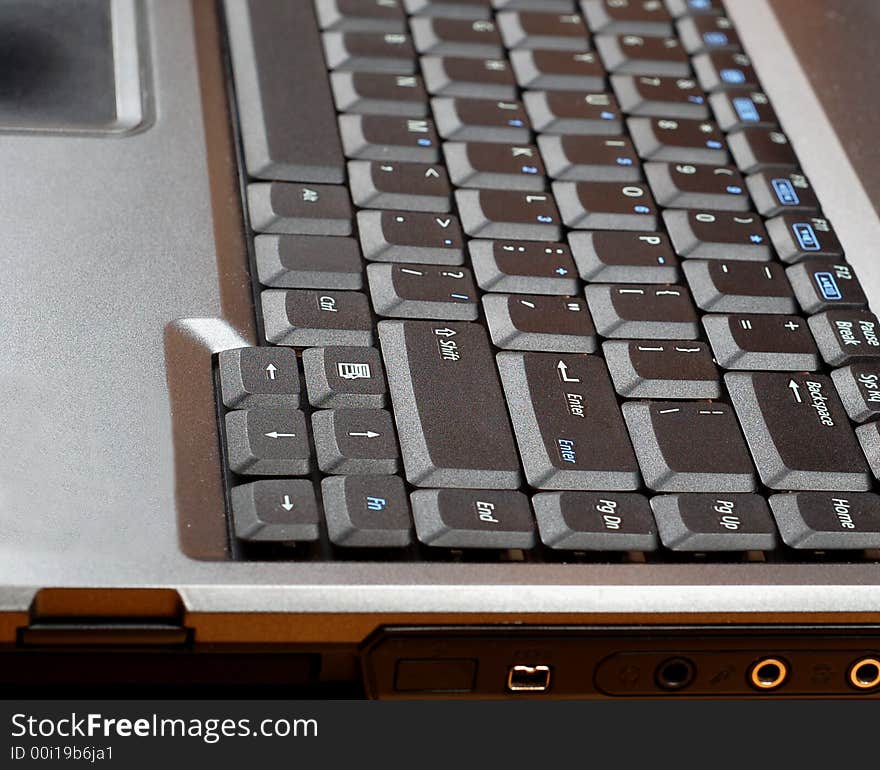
column 536, row 280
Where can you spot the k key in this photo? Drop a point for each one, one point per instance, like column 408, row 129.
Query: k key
column 495, row 166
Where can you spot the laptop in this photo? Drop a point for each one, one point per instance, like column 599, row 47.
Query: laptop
column 441, row 348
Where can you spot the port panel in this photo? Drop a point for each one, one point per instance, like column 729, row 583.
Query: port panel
column 635, row 662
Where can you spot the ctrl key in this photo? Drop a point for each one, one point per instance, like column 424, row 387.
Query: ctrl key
column 275, row 510
column 473, row 518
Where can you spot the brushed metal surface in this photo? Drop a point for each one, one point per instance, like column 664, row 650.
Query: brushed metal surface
column 121, row 278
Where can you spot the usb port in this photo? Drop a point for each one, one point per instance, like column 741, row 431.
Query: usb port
column 528, row 678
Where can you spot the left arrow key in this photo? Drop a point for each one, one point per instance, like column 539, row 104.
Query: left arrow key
column 259, row 377
column 268, row 442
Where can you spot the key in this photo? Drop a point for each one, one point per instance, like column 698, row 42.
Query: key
column 406, row 186
column 739, row 109
column 606, row 205
column 725, row 70
column 371, row 93
column 508, row 214
column 568, row 425
column 281, row 207
column 739, row 287
column 314, row 318
column 823, row 284
column 686, row 446
column 481, row 120
column 367, row 511
column 308, row 262
column 846, row 336
column 558, row 70
column 713, row 522
column 470, row 78
column 621, row 257
column 590, row 158
column 640, row 17
column 467, row 518
column 549, row 6
column 869, row 438
column 761, row 342
column 797, row 431
column 823, row 520
column 536, row 322
column 388, row 138
column 704, row 33
column 570, row 112
column 522, row 267
column 437, row 373
column 495, row 166
column 401, row 236
column 355, row 441
column 642, row 311
column 360, row 16
column 796, row 237
column 344, row 376
column 778, row 193
column 761, row 149
column 637, row 55
column 858, row 386
column 456, row 37
column 697, row 187
column 281, row 140
column 255, row 377
column 590, row 521
column 678, row 140
column 422, row 291
column 718, row 235
column 655, row 369
column 390, row 52
column 450, row 9
column 547, row 31
column 679, row 8
column 275, row 511
column 268, row 442
column 662, row 97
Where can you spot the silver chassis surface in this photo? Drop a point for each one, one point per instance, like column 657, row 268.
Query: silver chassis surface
column 124, row 271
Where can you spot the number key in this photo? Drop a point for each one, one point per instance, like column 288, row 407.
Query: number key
column 697, row 187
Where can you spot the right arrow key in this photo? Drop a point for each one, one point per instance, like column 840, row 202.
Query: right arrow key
column 798, row 432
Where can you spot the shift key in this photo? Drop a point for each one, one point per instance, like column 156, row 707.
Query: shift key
column 570, row 431
column 452, row 421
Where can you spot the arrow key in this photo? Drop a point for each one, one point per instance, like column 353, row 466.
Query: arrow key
column 275, row 510
column 268, row 442
column 355, row 441
column 264, row 376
